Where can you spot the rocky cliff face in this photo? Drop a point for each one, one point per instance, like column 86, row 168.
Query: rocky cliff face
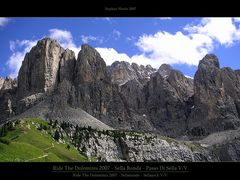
column 93, row 86
column 216, row 98
column 66, row 66
column 161, row 104
column 167, row 101
column 122, row 72
column 7, row 98
column 165, row 70
column 1, row 82
column 137, row 147
column 39, row 70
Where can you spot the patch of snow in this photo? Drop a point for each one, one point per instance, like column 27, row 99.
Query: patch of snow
column 188, row 77
column 204, row 145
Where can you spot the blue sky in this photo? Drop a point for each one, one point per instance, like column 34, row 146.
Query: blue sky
column 181, row 42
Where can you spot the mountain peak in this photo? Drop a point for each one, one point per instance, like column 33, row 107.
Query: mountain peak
column 47, row 40
column 85, row 48
column 165, row 70
column 1, row 82
column 210, row 60
column 39, row 69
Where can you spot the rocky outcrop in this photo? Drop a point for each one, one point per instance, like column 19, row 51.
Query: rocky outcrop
column 121, row 72
column 1, row 82
column 135, row 147
column 8, row 99
column 160, row 105
column 216, row 98
column 93, row 86
column 9, row 84
column 43, row 68
column 165, row 70
column 66, row 66
column 90, row 66
column 127, row 109
column 39, row 70
column 167, row 99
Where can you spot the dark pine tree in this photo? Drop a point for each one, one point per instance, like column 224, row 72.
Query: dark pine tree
column 56, row 135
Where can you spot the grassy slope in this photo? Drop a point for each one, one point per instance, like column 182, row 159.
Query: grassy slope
column 27, row 143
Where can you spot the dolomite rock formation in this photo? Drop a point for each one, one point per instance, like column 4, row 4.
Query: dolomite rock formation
column 123, row 95
column 216, row 98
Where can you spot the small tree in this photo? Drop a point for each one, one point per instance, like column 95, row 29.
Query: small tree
column 50, row 122
column 77, row 128
column 56, row 135
column 10, row 126
column 89, row 128
column 55, row 124
column 124, row 136
column 3, row 131
column 84, row 149
column 63, row 125
column 68, row 146
column 44, row 127
column 75, row 137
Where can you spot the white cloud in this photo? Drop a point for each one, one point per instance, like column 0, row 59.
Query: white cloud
column 165, row 18
column 65, row 39
column 107, row 19
column 131, row 38
column 87, row 39
column 236, row 19
column 19, row 49
column 164, row 47
column 185, row 47
column 62, row 36
column 4, row 21
column 222, row 30
column 104, row 19
column 110, row 55
column 116, row 34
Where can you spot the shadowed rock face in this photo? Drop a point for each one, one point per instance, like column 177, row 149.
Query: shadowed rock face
column 66, row 66
column 93, row 86
column 216, row 98
column 7, row 98
column 167, row 99
column 90, row 67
